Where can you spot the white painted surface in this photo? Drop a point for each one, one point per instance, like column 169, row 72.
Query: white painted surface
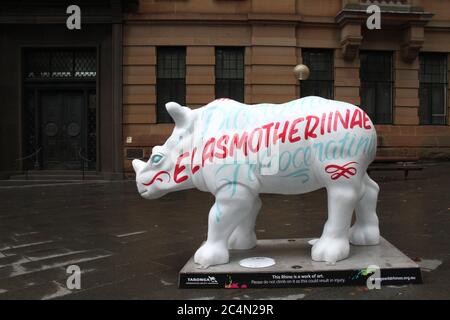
column 257, row 262
column 237, row 151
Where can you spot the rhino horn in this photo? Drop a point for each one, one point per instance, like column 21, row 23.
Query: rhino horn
column 138, row 165
column 179, row 114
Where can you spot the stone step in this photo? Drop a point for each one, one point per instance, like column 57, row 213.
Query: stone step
column 57, row 175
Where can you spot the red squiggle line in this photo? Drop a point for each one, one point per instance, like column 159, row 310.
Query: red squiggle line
column 341, row 171
column 156, row 177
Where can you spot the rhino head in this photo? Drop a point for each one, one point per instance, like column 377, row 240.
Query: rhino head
column 158, row 176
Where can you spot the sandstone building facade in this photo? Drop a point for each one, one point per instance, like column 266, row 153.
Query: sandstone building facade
column 130, row 57
column 398, row 74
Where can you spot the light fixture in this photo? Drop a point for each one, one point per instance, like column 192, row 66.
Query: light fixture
column 301, row 72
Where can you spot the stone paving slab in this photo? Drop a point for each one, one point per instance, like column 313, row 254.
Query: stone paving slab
column 131, row 248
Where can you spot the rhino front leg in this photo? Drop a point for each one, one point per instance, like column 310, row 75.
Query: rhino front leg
column 225, row 215
column 244, row 236
column 334, row 244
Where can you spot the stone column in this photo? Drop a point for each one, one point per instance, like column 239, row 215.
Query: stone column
column 406, row 91
column 269, row 64
column 200, row 75
column 346, row 78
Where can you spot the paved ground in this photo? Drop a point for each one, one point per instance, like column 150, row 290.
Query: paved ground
column 131, row 248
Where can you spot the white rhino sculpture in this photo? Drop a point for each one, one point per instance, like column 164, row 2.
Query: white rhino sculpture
column 237, row 151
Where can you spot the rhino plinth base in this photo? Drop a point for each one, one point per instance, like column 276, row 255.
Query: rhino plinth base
column 294, row 268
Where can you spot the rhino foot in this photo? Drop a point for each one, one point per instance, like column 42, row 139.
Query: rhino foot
column 211, row 254
column 242, row 241
column 330, row 250
column 364, row 235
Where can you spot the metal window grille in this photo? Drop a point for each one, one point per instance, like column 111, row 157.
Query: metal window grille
column 433, row 88
column 60, row 64
column 171, row 79
column 230, row 73
column 321, row 80
column 376, row 85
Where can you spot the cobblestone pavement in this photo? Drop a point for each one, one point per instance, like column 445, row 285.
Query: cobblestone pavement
column 130, row 248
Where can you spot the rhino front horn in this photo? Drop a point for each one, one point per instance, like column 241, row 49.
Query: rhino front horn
column 179, row 114
column 138, row 165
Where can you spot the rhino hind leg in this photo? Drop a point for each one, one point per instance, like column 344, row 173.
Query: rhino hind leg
column 334, row 244
column 244, row 236
column 365, row 231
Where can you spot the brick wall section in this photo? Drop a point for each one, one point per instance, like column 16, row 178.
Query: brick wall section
column 406, row 91
column 427, row 142
column 139, row 79
column 406, row 137
column 346, row 79
column 273, row 41
column 269, row 63
column 448, row 95
column 270, row 55
column 200, row 75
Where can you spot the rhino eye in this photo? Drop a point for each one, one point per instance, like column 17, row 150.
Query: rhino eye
column 156, row 158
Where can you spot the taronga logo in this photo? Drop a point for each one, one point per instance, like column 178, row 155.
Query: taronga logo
column 204, row 280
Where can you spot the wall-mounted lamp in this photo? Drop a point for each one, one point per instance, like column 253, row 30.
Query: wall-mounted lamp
column 301, row 72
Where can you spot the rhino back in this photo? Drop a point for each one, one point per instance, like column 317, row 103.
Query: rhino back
column 292, row 143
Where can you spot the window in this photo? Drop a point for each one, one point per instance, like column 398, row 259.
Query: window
column 376, row 85
column 51, row 64
column 433, row 88
column 321, row 80
column 170, row 80
column 230, row 73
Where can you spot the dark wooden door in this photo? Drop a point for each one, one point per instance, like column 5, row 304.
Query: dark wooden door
column 63, row 129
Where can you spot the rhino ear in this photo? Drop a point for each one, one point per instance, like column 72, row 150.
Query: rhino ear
column 180, row 115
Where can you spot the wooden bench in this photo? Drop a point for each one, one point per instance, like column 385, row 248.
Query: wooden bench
column 404, row 164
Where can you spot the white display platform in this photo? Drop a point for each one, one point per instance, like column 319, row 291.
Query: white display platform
column 294, row 268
